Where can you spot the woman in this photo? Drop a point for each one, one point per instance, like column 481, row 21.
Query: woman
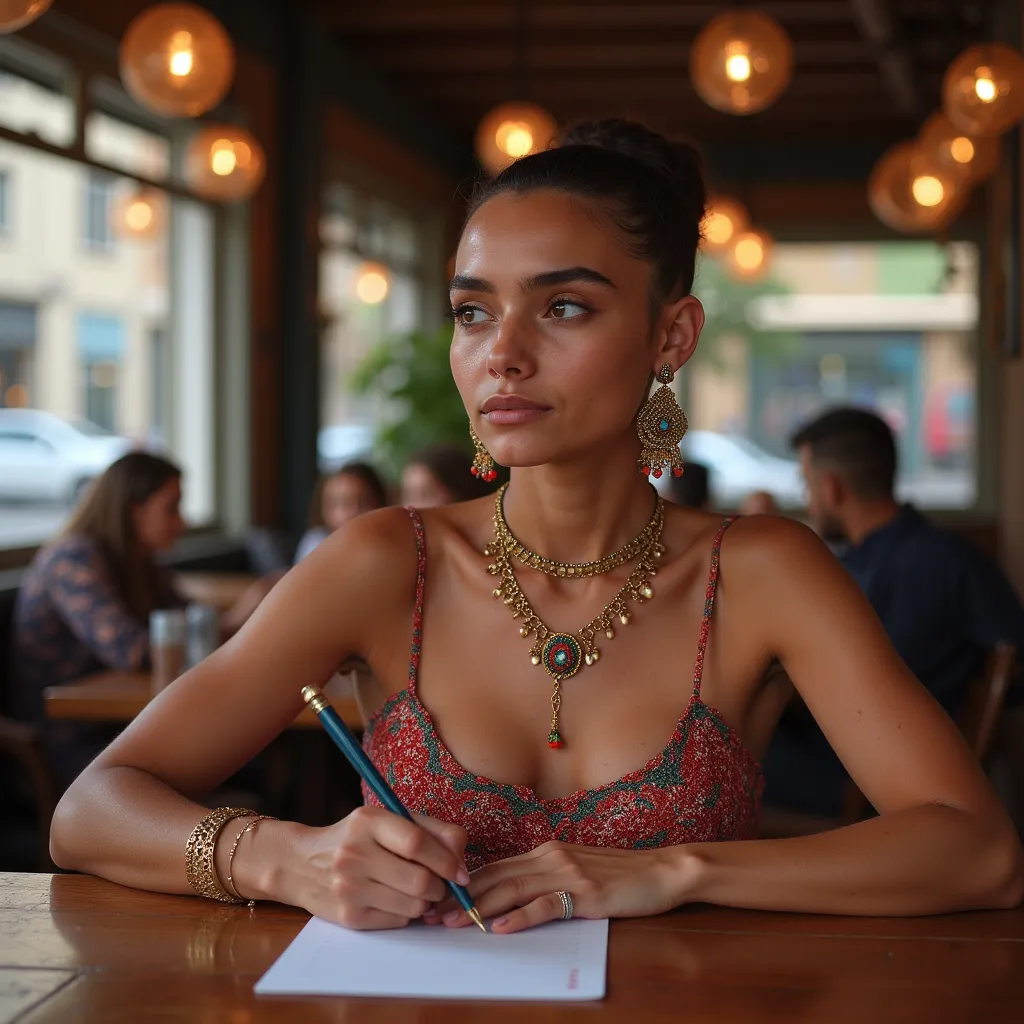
column 439, row 476
column 572, row 289
column 84, row 603
column 339, row 498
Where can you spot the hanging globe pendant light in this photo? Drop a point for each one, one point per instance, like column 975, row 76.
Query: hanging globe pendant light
column 983, row 89
column 970, row 158
column 511, row 131
column 15, row 14
column 749, row 257
column 741, row 62
column 177, row 60
column 910, row 191
column 725, row 219
column 140, row 214
column 224, row 163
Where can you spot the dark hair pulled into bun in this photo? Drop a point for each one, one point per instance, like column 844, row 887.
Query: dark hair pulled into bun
column 653, row 191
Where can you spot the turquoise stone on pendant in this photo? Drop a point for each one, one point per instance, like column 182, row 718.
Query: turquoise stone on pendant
column 561, row 655
column 664, row 425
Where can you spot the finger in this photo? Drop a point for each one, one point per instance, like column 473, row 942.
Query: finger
column 419, row 844
column 542, row 910
column 515, row 891
column 455, row 837
column 407, row 877
column 383, row 898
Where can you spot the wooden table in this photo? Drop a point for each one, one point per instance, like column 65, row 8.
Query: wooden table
column 78, row 950
column 120, row 696
column 221, row 589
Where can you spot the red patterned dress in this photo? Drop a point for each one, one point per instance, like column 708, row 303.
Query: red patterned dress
column 704, row 786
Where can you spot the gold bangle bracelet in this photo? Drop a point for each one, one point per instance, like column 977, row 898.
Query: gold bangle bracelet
column 231, row 887
column 199, row 851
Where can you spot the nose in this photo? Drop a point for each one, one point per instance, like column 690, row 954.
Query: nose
column 511, row 353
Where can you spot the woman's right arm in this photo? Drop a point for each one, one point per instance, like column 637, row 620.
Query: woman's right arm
column 130, row 813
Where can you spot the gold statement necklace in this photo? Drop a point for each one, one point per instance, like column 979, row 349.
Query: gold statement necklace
column 560, row 654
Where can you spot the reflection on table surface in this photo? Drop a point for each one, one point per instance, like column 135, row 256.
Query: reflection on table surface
column 134, row 953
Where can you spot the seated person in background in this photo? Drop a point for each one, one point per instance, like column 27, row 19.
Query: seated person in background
column 943, row 604
column 337, row 499
column 759, row 503
column 84, row 603
column 440, row 475
column 691, row 489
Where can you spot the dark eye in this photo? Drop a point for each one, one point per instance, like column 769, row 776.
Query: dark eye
column 562, row 309
column 467, row 316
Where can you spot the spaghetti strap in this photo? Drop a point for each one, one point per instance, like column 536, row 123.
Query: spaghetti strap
column 417, row 614
column 709, row 604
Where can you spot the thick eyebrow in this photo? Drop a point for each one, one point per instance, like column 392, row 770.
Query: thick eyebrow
column 464, row 282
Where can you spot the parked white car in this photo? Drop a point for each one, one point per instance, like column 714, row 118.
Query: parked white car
column 46, row 458
column 737, row 467
column 341, row 443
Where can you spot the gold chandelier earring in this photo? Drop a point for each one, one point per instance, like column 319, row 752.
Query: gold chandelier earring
column 661, row 424
column 483, row 464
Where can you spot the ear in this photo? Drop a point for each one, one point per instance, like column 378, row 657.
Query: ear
column 678, row 332
column 832, row 489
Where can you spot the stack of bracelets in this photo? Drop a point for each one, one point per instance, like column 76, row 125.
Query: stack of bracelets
column 199, row 850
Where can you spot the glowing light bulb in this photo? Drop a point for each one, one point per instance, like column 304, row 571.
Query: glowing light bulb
column 222, row 157
column 182, row 57
column 139, row 215
column 719, row 228
column 749, row 253
column 961, row 149
column 514, row 138
column 927, row 190
column 737, row 67
column 984, row 88
column 372, row 285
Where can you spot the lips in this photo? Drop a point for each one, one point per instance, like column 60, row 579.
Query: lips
column 507, row 403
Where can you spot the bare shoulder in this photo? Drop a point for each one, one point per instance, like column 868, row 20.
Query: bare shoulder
column 767, row 543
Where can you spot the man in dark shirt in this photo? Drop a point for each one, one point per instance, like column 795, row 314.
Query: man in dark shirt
column 944, row 605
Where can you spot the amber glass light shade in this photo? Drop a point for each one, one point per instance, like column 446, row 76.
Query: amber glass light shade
column 372, row 283
column 177, row 60
column 511, row 131
column 224, row 163
column 15, row 14
column 749, row 257
column 983, row 89
column 970, row 158
column 140, row 215
column 724, row 220
column 741, row 62
column 909, row 191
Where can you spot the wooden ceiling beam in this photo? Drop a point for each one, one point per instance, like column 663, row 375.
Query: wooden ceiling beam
column 878, row 27
column 415, row 16
column 656, row 89
column 455, row 58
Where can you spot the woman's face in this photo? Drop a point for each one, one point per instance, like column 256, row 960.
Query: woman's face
column 553, row 346
column 345, row 497
column 421, row 489
column 157, row 521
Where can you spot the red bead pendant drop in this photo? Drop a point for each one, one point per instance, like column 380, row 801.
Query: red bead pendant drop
column 555, row 741
column 678, row 471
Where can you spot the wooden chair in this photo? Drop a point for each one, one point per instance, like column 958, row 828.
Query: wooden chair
column 24, row 744
column 978, row 722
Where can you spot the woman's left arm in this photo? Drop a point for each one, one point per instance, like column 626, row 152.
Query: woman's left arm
column 941, row 841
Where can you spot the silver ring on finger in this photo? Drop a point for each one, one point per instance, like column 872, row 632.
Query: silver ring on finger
column 566, row 905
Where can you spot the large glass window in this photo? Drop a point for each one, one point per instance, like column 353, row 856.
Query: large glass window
column 92, row 347
column 371, row 291
column 889, row 326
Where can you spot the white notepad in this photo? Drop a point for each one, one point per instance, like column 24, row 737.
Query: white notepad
column 562, row 960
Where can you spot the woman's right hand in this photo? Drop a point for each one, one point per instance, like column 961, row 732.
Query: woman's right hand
column 373, row 869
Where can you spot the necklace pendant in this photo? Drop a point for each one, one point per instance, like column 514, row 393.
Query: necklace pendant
column 555, row 741
column 561, row 655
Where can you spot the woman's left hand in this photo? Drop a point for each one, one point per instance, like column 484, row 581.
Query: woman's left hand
column 603, row 882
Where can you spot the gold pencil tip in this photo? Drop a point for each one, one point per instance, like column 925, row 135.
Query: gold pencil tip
column 475, row 915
